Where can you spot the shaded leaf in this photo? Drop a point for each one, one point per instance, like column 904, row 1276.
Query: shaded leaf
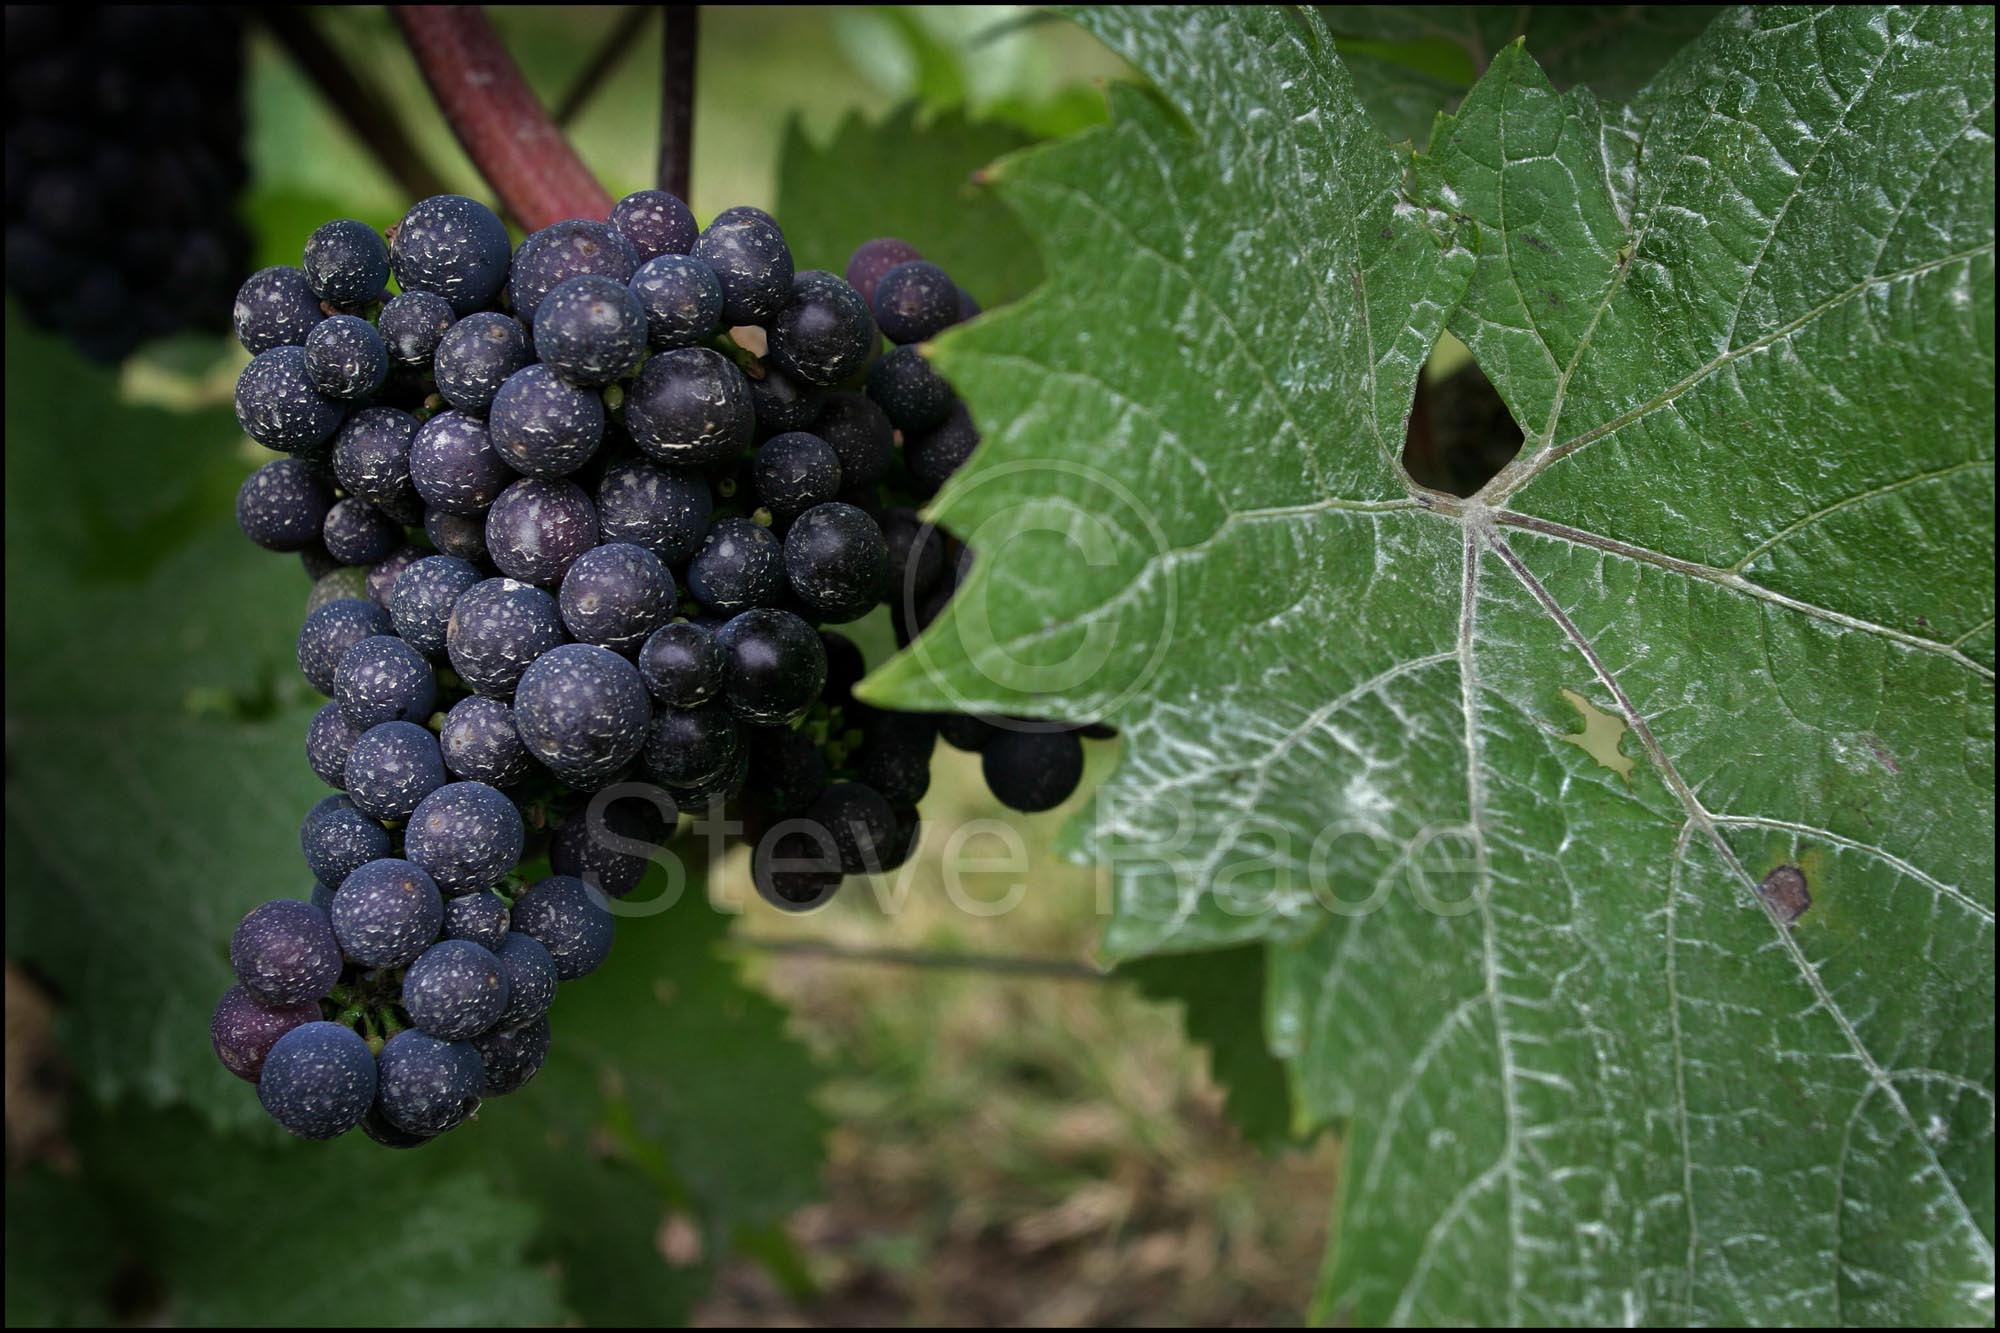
column 913, row 179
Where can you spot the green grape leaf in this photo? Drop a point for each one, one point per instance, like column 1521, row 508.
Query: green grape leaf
column 155, row 720
column 921, row 186
column 233, row 1233
column 1411, row 61
column 59, row 1269
column 1211, row 988
column 1621, row 836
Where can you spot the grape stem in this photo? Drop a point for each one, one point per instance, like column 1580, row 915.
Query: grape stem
column 498, row 120
column 680, row 32
column 367, row 113
column 610, row 53
column 1060, row 969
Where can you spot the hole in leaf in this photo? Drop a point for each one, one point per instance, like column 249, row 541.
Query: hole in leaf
column 1600, row 736
column 1461, row 433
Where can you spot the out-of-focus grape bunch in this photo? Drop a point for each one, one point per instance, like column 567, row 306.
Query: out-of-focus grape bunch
column 124, row 163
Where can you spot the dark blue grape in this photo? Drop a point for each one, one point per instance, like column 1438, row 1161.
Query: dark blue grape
column 537, row 528
column 330, row 630
column 283, row 504
column 795, row 471
column 285, row 952
column 781, row 402
column 386, row 575
column 330, row 738
column 915, row 301
column 383, row 679
column 936, row 454
column 480, row 743
column 278, row 405
column 664, row 510
column 681, row 664
column 690, row 407
column 569, row 919
column 346, row 358
column 371, row 457
column 543, row 426
column 412, row 325
column 795, row 867
column 871, row 259
column 689, row 747
column 393, row 766
column 609, row 842
column 615, row 595
column 476, row 355
column 915, row 397
column 590, row 330
column 895, row 756
column 466, row 835
column 751, row 260
column 421, row 605
column 531, row 979
column 844, row 666
column 787, row 771
column 740, row 565
column 322, row 897
column 496, row 629
column 512, row 1056
column 480, row 917
column 379, row 1130
column 318, row 1081
column 455, row 990
column 967, row 306
column 338, row 839
column 245, row 1028
column 453, row 465
column 775, row 666
column 562, row 251
column 318, row 565
column 426, row 1086
column 682, row 300
column 712, row 796
column 355, row 532
column 825, row 333
column 861, row 823
column 1032, row 770
column 916, row 555
column 654, row 223
column 453, row 246
column 582, row 711
column 836, row 561
column 962, row 731
column 346, row 263
column 386, row 913
column 860, row 433
column 457, row 534
column 275, row 307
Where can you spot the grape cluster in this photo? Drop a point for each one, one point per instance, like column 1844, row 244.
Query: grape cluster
column 124, row 161
column 580, row 513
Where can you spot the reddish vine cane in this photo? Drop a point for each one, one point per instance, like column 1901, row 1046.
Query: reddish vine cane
column 497, row 117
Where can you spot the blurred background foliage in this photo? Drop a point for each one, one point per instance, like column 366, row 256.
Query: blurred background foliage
column 747, row 1118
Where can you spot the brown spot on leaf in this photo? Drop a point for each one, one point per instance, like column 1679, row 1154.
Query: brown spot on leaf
column 1535, row 242
column 1784, row 891
column 1882, row 754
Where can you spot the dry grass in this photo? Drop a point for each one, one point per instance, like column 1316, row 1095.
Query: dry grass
column 1019, row 1150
